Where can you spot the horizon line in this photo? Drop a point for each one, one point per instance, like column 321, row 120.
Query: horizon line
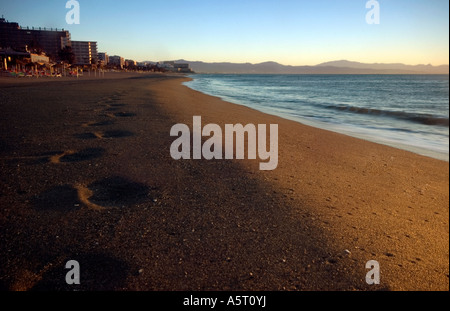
column 288, row 65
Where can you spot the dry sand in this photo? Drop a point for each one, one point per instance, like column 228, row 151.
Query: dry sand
column 86, row 174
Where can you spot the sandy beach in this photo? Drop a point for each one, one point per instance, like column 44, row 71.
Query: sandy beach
column 86, row 175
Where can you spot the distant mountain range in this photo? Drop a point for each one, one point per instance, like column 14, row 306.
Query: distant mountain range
column 334, row 67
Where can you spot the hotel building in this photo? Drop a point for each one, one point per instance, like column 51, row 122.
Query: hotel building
column 50, row 41
column 103, row 58
column 85, row 52
column 117, row 61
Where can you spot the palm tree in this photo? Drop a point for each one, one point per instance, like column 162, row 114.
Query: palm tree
column 94, row 62
column 35, row 48
column 67, row 55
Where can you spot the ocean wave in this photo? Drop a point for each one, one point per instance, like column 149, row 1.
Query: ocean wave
column 413, row 117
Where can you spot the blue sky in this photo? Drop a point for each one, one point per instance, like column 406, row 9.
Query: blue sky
column 291, row 32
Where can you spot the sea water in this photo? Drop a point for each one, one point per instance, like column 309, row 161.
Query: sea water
column 405, row 111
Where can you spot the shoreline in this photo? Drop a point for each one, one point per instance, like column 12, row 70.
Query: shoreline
column 93, row 179
column 328, row 127
column 367, row 137
column 345, row 129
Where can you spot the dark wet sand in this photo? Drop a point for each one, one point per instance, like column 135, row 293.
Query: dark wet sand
column 86, row 175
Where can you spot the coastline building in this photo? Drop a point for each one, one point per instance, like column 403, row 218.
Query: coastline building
column 50, row 41
column 182, row 67
column 117, row 61
column 173, row 66
column 85, row 52
column 143, row 64
column 103, row 58
column 130, row 63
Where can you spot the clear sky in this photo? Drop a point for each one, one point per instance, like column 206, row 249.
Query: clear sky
column 291, row 32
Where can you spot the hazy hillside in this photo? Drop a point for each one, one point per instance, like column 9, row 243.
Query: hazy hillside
column 420, row 68
column 334, row 67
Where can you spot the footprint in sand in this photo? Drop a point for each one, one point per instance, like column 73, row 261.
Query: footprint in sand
column 120, row 114
column 117, row 191
column 112, row 109
column 125, row 114
column 112, row 98
column 38, row 158
column 109, row 115
column 106, row 134
column 70, row 156
column 110, row 103
column 98, row 123
column 110, row 192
